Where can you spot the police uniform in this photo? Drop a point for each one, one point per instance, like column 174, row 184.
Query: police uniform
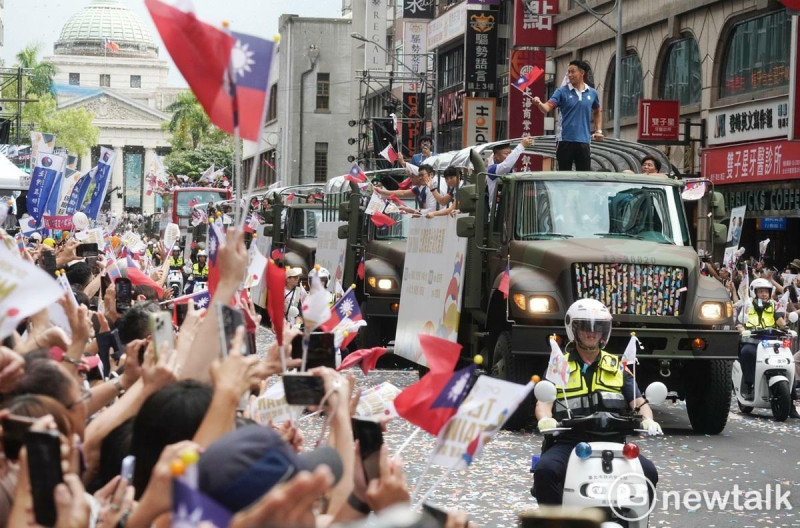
column 756, row 320
column 200, row 274
column 601, row 386
column 175, row 263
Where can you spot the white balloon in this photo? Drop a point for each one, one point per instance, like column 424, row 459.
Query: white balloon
column 656, row 393
column 793, row 317
column 545, row 391
column 80, row 221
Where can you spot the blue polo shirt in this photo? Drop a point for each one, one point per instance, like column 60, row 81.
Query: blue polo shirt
column 576, row 112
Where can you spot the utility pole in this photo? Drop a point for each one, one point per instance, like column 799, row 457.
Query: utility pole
column 618, row 72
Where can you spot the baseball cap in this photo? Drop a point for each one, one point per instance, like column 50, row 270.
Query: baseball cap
column 35, row 236
column 243, row 465
column 49, row 242
column 294, row 272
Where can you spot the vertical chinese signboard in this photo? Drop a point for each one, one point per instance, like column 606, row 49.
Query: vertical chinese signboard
column 659, row 120
column 523, row 116
column 533, row 22
column 479, row 119
column 418, row 9
column 414, row 109
column 480, row 51
column 415, row 35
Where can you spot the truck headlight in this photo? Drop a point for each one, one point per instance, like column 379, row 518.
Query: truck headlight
column 712, row 310
column 385, row 284
column 380, row 283
column 536, row 304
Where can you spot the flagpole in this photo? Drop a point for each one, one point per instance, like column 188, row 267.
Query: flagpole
column 396, row 456
column 508, row 298
column 566, row 402
column 237, row 139
column 435, row 485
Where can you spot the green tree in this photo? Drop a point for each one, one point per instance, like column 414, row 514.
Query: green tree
column 189, row 125
column 194, row 162
column 40, row 81
column 73, row 126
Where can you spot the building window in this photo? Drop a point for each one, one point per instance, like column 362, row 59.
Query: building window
column 451, row 68
column 757, row 55
column 136, row 81
column 681, row 76
column 631, row 86
column 323, row 90
column 320, row 162
column 75, row 79
column 105, row 80
column 272, row 106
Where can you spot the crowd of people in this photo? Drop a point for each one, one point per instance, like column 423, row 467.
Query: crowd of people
column 104, row 390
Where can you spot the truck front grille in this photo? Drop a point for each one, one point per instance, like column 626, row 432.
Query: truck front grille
column 632, row 289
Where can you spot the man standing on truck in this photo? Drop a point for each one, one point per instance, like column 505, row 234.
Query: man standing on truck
column 579, row 105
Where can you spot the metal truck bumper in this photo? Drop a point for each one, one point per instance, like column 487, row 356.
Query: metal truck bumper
column 659, row 343
column 375, row 306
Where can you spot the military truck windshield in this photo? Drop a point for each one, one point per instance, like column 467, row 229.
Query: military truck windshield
column 304, row 222
column 398, row 231
column 590, row 209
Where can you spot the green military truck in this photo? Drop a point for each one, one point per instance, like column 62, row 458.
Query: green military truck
column 620, row 238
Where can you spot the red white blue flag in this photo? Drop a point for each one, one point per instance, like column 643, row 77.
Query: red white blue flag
column 215, row 238
column 356, row 175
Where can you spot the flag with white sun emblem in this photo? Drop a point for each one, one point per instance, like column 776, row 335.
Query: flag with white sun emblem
column 215, row 238
column 191, row 507
column 345, row 317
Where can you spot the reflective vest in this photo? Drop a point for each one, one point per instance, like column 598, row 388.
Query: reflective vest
column 766, row 320
column 605, row 393
column 198, row 273
column 175, row 262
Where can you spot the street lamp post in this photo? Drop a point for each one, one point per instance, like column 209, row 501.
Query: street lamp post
column 422, row 77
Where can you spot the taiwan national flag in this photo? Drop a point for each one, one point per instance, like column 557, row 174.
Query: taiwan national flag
column 204, row 55
column 215, row 238
column 505, row 282
column 382, row 220
column 343, row 314
column 192, row 507
column 389, row 153
column 531, row 77
column 356, row 175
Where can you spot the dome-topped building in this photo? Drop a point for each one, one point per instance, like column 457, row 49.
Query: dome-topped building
column 88, row 31
column 107, row 62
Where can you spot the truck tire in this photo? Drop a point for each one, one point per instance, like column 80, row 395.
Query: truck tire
column 515, row 368
column 780, row 400
column 708, row 395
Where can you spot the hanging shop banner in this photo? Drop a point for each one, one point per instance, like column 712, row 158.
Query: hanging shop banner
column 331, row 251
column 447, row 26
column 659, row 120
column 480, row 51
column 451, row 106
column 375, row 31
column 418, row 9
column 430, row 298
column 764, row 200
column 412, row 126
column 523, row 116
column 533, row 23
column 752, row 162
column 479, row 119
column 415, row 36
column 751, row 121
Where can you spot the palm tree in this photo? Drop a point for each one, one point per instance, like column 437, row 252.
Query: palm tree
column 188, row 119
column 40, row 81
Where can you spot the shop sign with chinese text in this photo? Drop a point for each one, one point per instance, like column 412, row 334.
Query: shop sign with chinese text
column 533, row 23
column 752, row 121
column 523, row 116
column 480, row 51
column 752, row 162
column 659, row 120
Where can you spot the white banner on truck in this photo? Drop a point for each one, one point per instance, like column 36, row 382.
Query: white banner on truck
column 430, row 297
column 331, row 251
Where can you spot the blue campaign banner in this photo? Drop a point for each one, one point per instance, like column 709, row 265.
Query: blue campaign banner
column 45, row 171
column 101, row 180
column 51, row 207
column 78, row 194
column 772, row 224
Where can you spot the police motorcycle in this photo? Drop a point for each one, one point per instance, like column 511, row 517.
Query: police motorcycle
column 606, row 473
column 175, row 275
column 775, row 375
column 197, row 283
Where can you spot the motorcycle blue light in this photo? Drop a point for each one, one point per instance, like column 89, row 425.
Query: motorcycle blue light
column 583, row 450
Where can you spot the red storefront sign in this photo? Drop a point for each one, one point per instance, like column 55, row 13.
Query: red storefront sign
column 659, row 120
column 533, row 23
column 752, row 162
column 414, row 105
column 523, row 116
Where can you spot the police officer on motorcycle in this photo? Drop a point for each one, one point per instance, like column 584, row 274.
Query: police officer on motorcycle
column 200, row 268
column 596, row 383
column 760, row 314
column 176, row 259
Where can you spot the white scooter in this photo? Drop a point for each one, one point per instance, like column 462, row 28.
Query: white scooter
column 774, row 377
column 607, row 474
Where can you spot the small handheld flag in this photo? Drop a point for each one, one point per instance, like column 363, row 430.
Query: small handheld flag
column 389, row 153
column 356, row 175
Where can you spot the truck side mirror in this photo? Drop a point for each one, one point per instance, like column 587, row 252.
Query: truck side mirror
column 343, row 232
column 718, row 206
column 465, row 227
column 466, row 198
column 720, row 234
column 344, row 212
